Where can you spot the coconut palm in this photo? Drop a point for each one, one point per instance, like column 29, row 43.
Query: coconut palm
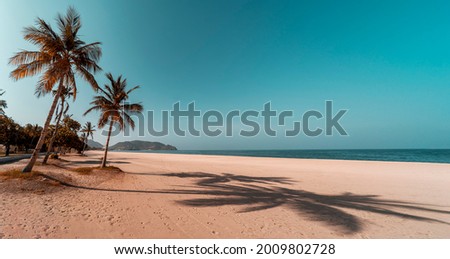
column 31, row 132
column 88, row 130
column 66, row 93
column 113, row 107
column 2, row 103
column 9, row 131
column 60, row 58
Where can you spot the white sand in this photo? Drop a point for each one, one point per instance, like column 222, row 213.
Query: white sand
column 196, row 196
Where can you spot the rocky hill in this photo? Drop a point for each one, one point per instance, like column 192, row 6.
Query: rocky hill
column 141, row 145
column 94, row 144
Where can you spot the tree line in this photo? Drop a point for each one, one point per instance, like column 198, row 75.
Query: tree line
column 22, row 138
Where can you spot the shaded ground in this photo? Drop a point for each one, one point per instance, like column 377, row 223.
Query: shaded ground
column 231, row 189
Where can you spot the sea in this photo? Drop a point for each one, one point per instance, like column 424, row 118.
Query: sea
column 400, row 155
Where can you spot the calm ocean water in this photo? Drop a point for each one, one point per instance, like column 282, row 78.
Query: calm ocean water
column 402, row 155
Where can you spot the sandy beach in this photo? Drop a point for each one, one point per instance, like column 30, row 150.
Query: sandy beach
column 198, row 196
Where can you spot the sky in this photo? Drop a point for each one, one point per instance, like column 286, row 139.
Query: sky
column 386, row 62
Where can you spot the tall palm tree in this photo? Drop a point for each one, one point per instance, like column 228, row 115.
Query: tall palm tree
column 60, row 58
column 66, row 93
column 113, row 107
column 2, row 103
column 88, row 130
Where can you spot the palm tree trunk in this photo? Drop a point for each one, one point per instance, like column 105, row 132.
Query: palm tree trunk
column 41, row 140
column 52, row 140
column 32, row 140
column 107, row 145
column 7, row 149
column 84, row 146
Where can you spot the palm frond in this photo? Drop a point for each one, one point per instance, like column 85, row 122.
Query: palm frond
column 93, row 108
column 25, row 56
column 86, row 75
column 111, row 102
column 133, row 108
column 3, row 104
column 28, row 69
column 132, row 89
column 129, row 120
column 60, row 57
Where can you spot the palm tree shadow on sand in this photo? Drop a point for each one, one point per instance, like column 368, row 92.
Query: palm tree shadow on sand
column 231, row 189
column 261, row 193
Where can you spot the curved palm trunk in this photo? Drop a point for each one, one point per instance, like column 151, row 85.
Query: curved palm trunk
column 84, row 146
column 107, row 145
column 41, row 140
column 50, row 146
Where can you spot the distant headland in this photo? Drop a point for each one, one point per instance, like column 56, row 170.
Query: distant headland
column 141, row 145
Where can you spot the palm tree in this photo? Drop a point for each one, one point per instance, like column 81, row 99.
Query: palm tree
column 2, row 103
column 60, row 58
column 9, row 131
column 66, row 93
column 88, row 130
column 113, row 107
column 31, row 131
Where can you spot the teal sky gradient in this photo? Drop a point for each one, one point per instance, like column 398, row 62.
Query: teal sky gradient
column 388, row 62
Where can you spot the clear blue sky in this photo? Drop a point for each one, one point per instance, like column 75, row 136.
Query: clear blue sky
column 388, row 62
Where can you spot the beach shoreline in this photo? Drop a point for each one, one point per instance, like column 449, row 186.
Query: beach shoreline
column 210, row 196
column 439, row 156
column 272, row 157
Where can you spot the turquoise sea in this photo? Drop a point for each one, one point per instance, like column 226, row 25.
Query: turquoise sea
column 402, row 155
